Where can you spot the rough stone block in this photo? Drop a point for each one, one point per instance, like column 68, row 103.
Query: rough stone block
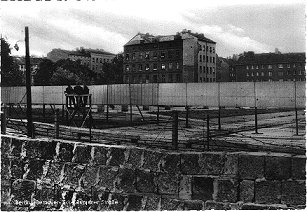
column 213, row 205
column 89, row 177
column 82, row 154
column 72, row 174
column 267, row 192
column 116, row 157
column 211, row 163
column 66, row 152
column 99, row 198
column 120, row 202
column 247, row 190
column 190, row 163
column 170, row 163
column 202, row 188
column 253, row 206
column 251, row 166
column 54, row 172
column 100, row 155
column 22, row 191
column 231, row 164
column 135, row 158
column 145, row 182
column 35, row 169
column 125, row 181
column 152, row 160
column 168, row 183
column 81, row 202
column 46, row 200
column 5, row 193
column 134, row 203
column 32, row 148
column 195, row 205
column 225, row 190
column 152, row 203
column 171, row 204
column 293, row 192
column 107, row 177
column 5, row 146
column 185, row 187
column 48, row 149
column 277, row 167
column 17, row 168
column 299, row 167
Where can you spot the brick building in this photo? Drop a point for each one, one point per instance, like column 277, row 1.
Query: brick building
column 251, row 67
column 184, row 57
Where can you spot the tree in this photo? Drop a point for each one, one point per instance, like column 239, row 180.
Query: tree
column 46, row 68
column 112, row 73
column 10, row 75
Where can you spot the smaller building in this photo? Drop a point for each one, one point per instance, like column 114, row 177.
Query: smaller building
column 251, row 67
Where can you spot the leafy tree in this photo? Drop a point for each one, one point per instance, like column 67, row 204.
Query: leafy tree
column 46, row 68
column 112, row 73
column 10, row 75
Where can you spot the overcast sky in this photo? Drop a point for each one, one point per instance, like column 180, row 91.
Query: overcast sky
column 236, row 26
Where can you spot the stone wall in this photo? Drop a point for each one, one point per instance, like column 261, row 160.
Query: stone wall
column 56, row 174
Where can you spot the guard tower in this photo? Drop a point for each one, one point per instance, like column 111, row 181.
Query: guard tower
column 79, row 111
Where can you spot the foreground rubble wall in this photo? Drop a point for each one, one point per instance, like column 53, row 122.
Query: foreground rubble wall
column 42, row 174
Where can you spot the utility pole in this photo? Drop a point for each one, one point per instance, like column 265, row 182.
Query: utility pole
column 28, row 86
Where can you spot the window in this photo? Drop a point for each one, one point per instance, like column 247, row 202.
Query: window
column 213, row 50
column 246, row 67
column 207, row 59
column 170, row 54
column 269, row 66
column 262, row 73
column 210, row 58
column 201, row 79
column 210, row 49
column 257, row 74
column 300, row 72
column 133, row 56
column 288, row 66
column 270, row 80
column 155, row 66
column 262, row 66
column 252, row 74
column 177, row 66
column 147, row 67
column 100, row 60
column 170, row 78
column 104, row 60
column 293, row 65
column 247, row 74
column 252, row 67
column 257, row 67
column 155, row 55
column 200, row 57
column 213, row 70
column 162, row 66
column 127, row 68
column 210, row 70
column 162, row 55
column 154, row 78
column 280, row 66
column 147, row 55
column 213, row 59
column 177, row 53
column 204, row 58
column 204, row 48
column 141, row 55
column 140, row 67
column 97, row 60
column 163, row 78
column 127, row 56
column 93, row 60
column 270, row 73
column 207, row 70
column 170, row 66
column 178, row 79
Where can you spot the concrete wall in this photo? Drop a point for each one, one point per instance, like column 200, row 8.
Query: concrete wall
column 55, row 174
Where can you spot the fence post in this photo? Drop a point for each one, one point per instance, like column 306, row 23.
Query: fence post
column 158, row 112
column 3, row 120
column 256, row 121
column 219, row 119
column 187, row 117
column 296, row 118
column 56, row 124
column 208, row 131
column 175, row 130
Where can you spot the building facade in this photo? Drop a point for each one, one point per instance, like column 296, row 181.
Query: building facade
column 34, row 61
column 251, row 67
column 94, row 59
column 184, row 57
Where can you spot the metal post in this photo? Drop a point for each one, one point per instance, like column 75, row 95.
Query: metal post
column 187, row 117
column 3, row 120
column 44, row 111
column 107, row 103
column 91, row 118
column 56, row 124
column 28, row 86
column 208, row 131
column 63, row 111
column 158, row 112
column 296, row 118
column 175, row 130
column 256, row 121
column 219, row 119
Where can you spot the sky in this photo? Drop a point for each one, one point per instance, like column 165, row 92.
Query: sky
column 235, row 25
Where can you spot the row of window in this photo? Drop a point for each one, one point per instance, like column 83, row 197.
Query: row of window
column 99, row 60
column 141, row 67
column 210, row 49
column 280, row 73
column 203, row 58
column 271, row 66
column 155, row 78
column 206, row 79
column 207, row 70
column 155, row 55
column 271, row 80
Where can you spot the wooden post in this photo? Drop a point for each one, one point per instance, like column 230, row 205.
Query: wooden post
column 158, row 112
column 296, row 118
column 256, row 121
column 56, row 124
column 175, row 130
column 3, row 120
column 208, row 131
column 219, row 119
column 187, row 117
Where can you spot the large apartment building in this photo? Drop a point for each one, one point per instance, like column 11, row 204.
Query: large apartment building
column 184, row 57
column 251, row 67
column 94, row 59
